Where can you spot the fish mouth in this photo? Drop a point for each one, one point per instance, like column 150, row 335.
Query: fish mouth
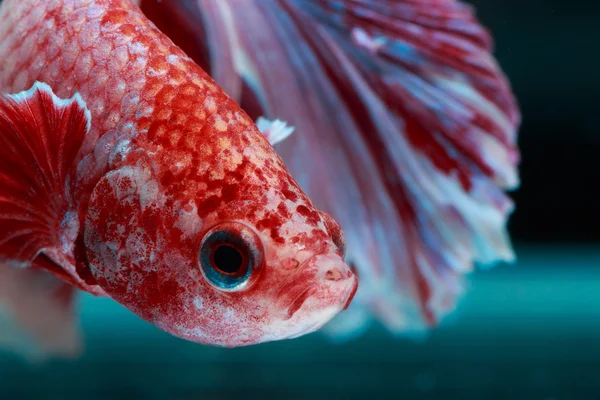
column 297, row 304
column 322, row 288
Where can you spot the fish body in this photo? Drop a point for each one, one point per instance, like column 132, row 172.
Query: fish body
column 127, row 172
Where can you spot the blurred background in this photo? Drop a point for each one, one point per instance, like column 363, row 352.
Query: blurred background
column 525, row 331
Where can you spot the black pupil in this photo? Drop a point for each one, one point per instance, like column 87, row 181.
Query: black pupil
column 228, row 259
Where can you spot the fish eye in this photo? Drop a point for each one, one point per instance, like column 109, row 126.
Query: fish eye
column 230, row 256
column 227, row 259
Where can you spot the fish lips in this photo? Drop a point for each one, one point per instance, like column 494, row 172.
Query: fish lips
column 323, row 283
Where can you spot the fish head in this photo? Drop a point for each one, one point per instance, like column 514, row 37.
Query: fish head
column 267, row 287
column 227, row 250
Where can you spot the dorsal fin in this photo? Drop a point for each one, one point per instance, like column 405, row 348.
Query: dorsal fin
column 41, row 137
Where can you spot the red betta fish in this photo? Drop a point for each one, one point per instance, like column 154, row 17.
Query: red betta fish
column 406, row 132
column 126, row 172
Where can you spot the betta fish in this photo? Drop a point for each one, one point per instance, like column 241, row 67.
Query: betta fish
column 127, row 172
column 406, row 133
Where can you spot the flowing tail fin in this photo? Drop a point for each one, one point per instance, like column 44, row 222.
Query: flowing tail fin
column 406, row 131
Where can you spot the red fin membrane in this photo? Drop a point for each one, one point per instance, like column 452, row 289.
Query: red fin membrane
column 37, row 317
column 405, row 132
column 41, row 137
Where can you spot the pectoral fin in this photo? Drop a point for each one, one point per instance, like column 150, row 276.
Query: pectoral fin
column 41, row 140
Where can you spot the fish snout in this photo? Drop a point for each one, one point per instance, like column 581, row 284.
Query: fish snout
column 336, row 276
column 324, row 286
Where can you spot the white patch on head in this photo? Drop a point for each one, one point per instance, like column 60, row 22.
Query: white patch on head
column 256, row 157
column 217, row 172
column 189, row 222
column 137, row 246
column 172, row 59
column 273, row 200
column 235, row 158
column 119, row 152
column 229, row 314
column 137, row 48
column 178, row 167
column 149, row 194
column 137, row 179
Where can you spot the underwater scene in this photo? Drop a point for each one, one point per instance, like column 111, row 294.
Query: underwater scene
column 299, row 199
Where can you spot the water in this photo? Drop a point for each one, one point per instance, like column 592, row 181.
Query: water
column 527, row 331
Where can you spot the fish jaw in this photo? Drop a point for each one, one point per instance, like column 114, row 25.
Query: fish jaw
column 323, row 287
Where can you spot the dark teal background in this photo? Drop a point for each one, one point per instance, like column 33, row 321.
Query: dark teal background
column 527, row 331
column 549, row 50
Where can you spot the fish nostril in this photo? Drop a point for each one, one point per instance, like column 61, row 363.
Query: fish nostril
column 334, row 274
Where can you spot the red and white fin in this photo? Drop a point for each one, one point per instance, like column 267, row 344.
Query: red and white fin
column 274, row 131
column 41, row 141
column 37, row 315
